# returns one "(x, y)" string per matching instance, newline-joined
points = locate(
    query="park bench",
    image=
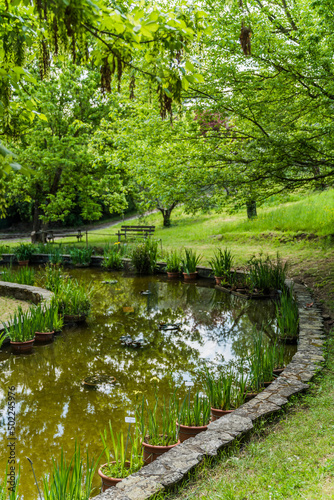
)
(135, 230)
(48, 236)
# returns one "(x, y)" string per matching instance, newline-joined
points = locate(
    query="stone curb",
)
(173, 466)
(33, 294)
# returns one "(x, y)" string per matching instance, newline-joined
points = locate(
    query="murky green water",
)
(53, 409)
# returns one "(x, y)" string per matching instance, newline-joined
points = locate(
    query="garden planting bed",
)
(173, 466)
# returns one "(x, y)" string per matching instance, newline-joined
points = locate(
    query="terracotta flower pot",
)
(108, 482)
(173, 275)
(22, 347)
(190, 276)
(217, 413)
(152, 452)
(187, 431)
(44, 336)
(23, 262)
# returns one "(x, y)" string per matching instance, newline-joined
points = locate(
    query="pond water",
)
(54, 409)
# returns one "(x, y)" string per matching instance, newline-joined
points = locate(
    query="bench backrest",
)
(144, 229)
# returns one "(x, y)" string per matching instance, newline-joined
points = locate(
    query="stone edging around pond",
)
(173, 466)
(32, 294)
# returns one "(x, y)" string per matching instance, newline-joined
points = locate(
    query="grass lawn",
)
(8, 306)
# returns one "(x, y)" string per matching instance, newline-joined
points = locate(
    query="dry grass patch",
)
(8, 306)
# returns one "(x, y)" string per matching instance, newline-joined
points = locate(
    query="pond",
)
(53, 407)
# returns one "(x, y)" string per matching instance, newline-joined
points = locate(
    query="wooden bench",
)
(135, 230)
(50, 235)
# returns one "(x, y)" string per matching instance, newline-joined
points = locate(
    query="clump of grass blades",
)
(70, 480)
(53, 278)
(21, 326)
(173, 262)
(265, 274)
(227, 391)
(221, 263)
(287, 315)
(73, 298)
(127, 457)
(190, 261)
(45, 319)
(112, 257)
(5, 493)
(144, 256)
(23, 276)
(157, 426)
(196, 412)
(263, 361)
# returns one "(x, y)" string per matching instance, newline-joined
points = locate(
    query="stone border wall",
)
(173, 466)
(32, 294)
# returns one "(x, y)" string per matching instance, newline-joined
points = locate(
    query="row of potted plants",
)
(71, 304)
(36, 324)
(168, 423)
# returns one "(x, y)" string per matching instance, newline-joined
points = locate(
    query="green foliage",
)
(262, 361)
(70, 480)
(287, 315)
(158, 425)
(74, 298)
(24, 251)
(265, 274)
(190, 260)
(227, 391)
(196, 412)
(24, 275)
(81, 255)
(46, 318)
(144, 256)
(112, 257)
(126, 455)
(221, 263)
(52, 278)
(5, 494)
(173, 262)
(21, 326)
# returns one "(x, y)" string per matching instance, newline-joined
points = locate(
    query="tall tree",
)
(65, 172)
(268, 67)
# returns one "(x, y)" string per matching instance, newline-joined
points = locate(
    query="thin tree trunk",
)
(251, 209)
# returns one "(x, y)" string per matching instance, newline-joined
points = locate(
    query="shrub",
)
(24, 251)
(144, 256)
(112, 258)
(81, 255)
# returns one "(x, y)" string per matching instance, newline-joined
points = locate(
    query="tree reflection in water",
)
(54, 409)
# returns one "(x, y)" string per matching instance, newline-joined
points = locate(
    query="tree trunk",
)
(166, 212)
(251, 209)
